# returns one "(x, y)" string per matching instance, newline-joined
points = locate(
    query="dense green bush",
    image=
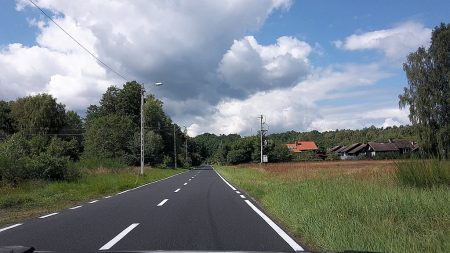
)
(237, 156)
(423, 173)
(11, 170)
(305, 156)
(279, 153)
(167, 162)
(108, 136)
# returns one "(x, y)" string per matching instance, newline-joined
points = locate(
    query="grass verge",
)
(339, 212)
(34, 198)
(423, 173)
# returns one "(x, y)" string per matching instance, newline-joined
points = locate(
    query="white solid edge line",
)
(75, 207)
(93, 201)
(48, 215)
(294, 245)
(12, 226)
(107, 197)
(162, 202)
(119, 237)
(242, 196)
(177, 190)
(123, 192)
(234, 189)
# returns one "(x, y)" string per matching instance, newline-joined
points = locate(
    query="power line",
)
(81, 45)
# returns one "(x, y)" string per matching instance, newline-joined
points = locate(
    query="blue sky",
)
(322, 64)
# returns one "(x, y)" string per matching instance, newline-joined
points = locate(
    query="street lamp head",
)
(158, 84)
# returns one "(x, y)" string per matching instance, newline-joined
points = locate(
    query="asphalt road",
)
(195, 210)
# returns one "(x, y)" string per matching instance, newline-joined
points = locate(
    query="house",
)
(301, 146)
(333, 149)
(404, 146)
(381, 147)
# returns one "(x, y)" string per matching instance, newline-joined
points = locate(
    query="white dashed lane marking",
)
(177, 190)
(48, 215)
(119, 237)
(163, 202)
(75, 207)
(12, 226)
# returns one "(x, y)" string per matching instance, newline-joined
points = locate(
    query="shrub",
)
(167, 162)
(61, 148)
(48, 167)
(12, 170)
(333, 157)
(423, 173)
(237, 156)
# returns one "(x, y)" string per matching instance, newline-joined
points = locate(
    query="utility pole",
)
(185, 144)
(261, 136)
(174, 146)
(142, 130)
(142, 125)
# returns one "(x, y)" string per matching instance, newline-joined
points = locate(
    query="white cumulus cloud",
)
(298, 107)
(177, 42)
(249, 67)
(395, 42)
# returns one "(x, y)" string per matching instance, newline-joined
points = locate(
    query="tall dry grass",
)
(371, 171)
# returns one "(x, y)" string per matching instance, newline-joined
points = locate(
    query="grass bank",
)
(34, 198)
(335, 208)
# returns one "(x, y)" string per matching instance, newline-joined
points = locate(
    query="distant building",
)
(352, 151)
(334, 149)
(381, 147)
(371, 149)
(302, 146)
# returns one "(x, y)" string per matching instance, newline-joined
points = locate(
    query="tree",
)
(279, 153)
(38, 114)
(428, 92)
(6, 122)
(108, 136)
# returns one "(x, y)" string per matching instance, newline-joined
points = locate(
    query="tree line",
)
(39, 138)
(234, 149)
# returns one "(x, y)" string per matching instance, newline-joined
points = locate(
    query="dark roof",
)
(340, 149)
(335, 148)
(360, 148)
(350, 147)
(403, 144)
(383, 147)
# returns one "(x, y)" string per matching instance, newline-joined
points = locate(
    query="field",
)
(342, 205)
(35, 198)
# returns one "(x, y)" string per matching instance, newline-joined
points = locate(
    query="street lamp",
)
(142, 125)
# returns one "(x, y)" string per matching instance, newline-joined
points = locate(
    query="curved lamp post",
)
(142, 125)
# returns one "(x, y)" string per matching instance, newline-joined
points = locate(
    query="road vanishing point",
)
(194, 210)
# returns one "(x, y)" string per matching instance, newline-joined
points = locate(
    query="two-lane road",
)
(195, 210)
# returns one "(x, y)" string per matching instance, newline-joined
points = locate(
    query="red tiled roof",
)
(300, 146)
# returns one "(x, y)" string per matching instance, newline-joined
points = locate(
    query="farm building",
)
(302, 146)
(352, 151)
(335, 148)
(393, 146)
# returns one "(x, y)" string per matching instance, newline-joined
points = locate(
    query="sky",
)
(304, 65)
